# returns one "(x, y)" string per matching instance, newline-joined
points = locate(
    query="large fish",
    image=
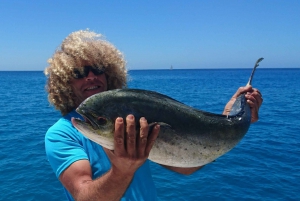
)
(188, 137)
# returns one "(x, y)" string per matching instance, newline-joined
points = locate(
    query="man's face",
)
(89, 85)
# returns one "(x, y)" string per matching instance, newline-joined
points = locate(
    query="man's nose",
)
(91, 76)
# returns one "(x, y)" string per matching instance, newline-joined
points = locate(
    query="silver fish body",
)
(188, 137)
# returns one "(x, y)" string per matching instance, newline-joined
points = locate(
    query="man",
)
(85, 65)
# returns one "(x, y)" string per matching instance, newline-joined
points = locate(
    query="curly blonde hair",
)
(81, 48)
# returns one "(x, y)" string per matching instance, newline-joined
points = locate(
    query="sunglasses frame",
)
(79, 73)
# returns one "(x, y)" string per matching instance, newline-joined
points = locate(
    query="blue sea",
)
(265, 165)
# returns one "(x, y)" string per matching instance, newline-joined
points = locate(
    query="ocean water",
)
(265, 165)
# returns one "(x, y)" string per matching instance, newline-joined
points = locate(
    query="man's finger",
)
(142, 139)
(119, 137)
(241, 90)
(151, 139)
(130, 135)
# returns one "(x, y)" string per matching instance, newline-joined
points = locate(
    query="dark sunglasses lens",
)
(77, 74)
(97, 71)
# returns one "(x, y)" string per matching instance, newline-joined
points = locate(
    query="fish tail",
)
(256, 64)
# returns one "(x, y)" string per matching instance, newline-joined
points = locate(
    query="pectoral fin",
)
(164, 127)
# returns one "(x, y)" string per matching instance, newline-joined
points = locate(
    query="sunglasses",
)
(82, 72)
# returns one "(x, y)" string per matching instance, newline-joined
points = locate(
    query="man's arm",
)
(77, 179)
(131, 151)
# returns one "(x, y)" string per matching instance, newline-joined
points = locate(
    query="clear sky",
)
(155, 34)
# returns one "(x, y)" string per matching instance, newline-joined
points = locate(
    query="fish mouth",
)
(91, 118)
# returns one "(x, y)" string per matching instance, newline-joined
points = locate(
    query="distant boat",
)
(171, 68)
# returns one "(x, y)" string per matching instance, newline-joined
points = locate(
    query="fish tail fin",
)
(256, 64)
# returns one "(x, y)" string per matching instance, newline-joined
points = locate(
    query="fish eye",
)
(101, 120)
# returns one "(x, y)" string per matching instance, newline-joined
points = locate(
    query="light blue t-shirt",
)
(64, 145)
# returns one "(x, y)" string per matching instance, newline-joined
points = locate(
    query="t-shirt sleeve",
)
(63, 146)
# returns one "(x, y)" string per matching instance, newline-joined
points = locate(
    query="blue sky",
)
(156, 34)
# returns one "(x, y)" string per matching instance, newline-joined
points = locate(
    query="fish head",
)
(98, 123)
(92, 121)
(101, 134)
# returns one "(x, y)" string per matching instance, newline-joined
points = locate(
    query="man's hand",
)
(132, 147)
(254, 99)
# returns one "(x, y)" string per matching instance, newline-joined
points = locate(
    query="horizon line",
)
(175, 69)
